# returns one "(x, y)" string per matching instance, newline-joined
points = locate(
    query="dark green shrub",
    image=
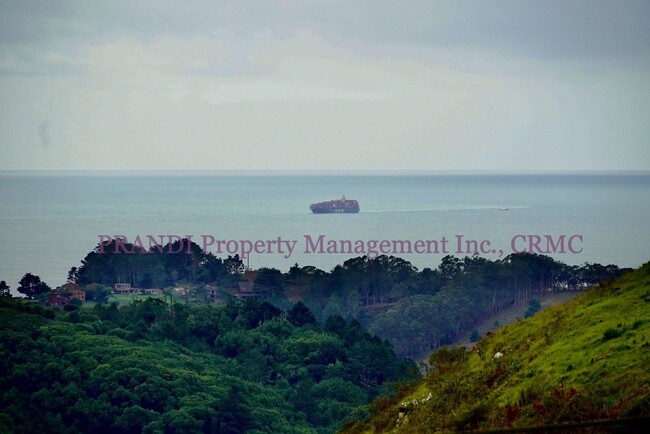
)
(611, 334)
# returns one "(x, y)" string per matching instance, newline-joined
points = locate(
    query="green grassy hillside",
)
(582, 361)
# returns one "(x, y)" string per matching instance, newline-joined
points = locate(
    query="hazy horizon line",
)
(313, 172)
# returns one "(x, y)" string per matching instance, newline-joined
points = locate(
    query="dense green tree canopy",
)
(243, 367)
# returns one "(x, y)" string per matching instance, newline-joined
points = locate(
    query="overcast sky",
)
(302, 85)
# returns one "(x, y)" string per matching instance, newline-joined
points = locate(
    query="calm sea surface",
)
(49, 222)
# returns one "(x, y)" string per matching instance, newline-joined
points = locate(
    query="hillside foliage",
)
(152, 368)
(583, 361)
(416, 310)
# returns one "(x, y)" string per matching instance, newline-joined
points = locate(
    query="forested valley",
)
(305, 355)
(416, 310)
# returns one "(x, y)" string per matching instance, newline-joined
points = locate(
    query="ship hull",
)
(335, 210)
(342, 206)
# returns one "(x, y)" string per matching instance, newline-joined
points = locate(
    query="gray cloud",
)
(550, 29)
(460, 84)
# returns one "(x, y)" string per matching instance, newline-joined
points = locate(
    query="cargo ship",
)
(342, 205)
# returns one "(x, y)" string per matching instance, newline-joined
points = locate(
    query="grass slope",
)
(585, 360)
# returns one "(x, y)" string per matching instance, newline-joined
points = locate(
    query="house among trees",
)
(64, 294)
(126, 288)
(123, 288)
(56, 300)
(72, 291)
(246, 288)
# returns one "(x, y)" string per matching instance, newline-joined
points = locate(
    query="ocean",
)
(49, 222)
